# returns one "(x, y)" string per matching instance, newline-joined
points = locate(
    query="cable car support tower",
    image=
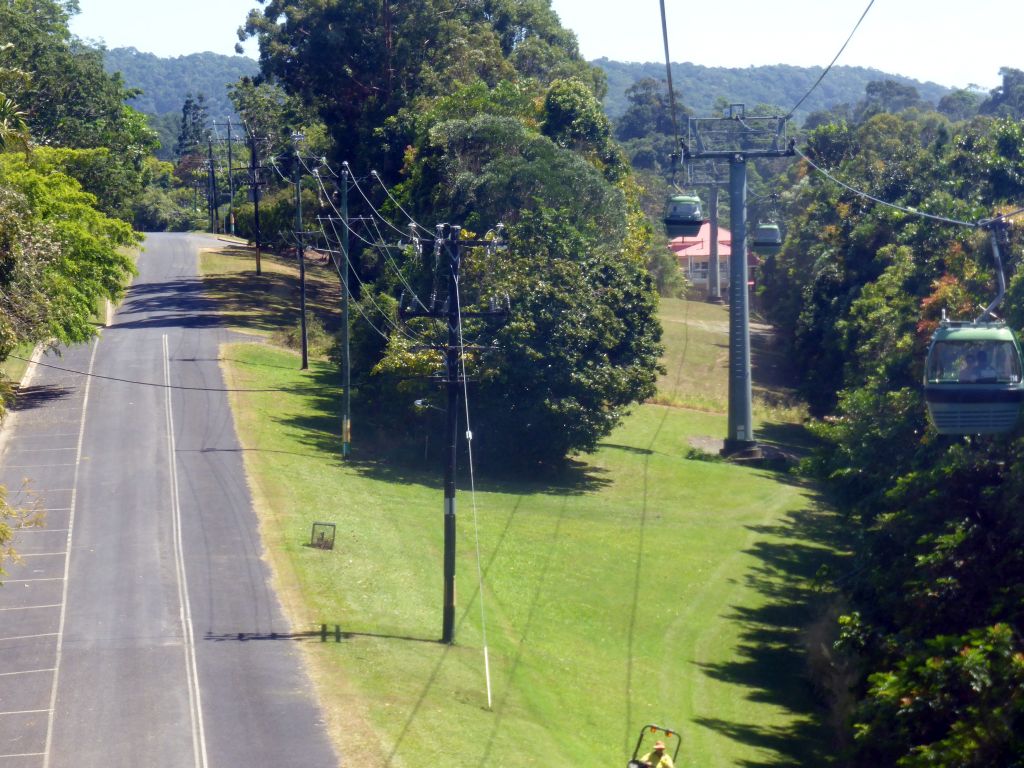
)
(736, 138)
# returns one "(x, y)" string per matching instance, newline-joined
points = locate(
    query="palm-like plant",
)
(13, 128)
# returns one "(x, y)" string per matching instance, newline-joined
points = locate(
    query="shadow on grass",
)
(269, 301)
(789, 437)
(777, 740)
(770, 660)
(384, 457)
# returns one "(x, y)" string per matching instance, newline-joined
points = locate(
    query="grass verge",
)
(637, 586)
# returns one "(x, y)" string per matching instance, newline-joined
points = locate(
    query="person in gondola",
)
(978, 367)
(657, 757)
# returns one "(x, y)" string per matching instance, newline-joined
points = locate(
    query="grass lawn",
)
(636, 586)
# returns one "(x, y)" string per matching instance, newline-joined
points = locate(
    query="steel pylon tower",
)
(736, 138)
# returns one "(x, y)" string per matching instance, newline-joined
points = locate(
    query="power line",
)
(834, 60)
(380, 244)
(374, 209)
(369, 294)
(387, 192)
(168, 386)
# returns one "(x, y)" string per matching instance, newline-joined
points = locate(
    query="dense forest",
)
(485, 114)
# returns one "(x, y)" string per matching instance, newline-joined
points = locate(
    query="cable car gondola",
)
(767, 238)
(683, 217)
(972, 380)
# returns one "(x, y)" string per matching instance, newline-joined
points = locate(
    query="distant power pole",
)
(231, 185)
(300, 251)
(346, 418)
(213, 188)
(255, 193)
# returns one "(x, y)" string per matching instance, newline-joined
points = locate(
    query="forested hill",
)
(165, 82)
(780, 84)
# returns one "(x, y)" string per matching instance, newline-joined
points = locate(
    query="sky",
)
(952, 43)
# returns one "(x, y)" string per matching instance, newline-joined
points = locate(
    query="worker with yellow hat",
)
(657, 757)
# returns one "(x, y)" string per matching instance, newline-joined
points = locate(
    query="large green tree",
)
(364, 64)
(486, 114)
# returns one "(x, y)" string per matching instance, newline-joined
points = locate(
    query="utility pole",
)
(231, 185)
(736, 138)
(213, 188)
(346, 418)
(231, 176)
(300, 251)
(452, 355)
(449, 238)
(255, 194)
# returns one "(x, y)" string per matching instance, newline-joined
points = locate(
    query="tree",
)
(886, 96)
(60, 253)
(649, 111)
(363, 65)
(961, 104)
(936, 588)
(1007, 100)
(195, 126)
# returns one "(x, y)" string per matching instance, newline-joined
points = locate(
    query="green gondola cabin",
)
(973, 383)
(767, 238)
(683, 216)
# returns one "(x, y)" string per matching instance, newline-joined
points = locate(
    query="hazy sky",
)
(952, 43)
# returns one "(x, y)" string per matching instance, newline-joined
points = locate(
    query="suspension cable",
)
(834, 60)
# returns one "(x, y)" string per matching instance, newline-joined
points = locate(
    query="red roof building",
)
(695, 252)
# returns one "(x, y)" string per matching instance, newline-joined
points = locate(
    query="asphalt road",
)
(140, 627)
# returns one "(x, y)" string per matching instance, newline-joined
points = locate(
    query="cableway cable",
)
(671, 94)
(834, 60)
(905, 209)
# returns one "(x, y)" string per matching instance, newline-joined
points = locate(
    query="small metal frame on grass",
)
(322, 536)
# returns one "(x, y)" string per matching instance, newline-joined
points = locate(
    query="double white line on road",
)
(191, 668)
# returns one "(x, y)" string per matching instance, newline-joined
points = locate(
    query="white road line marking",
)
(35, 466)
(27, 672)
(28, 637)
(25, 754)
(24, 711)
(41, 450)
(25, 581)
(46, 435)
(20, 531)
(30, 607)
(41, 554)
(191, 668)
(67, 562)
